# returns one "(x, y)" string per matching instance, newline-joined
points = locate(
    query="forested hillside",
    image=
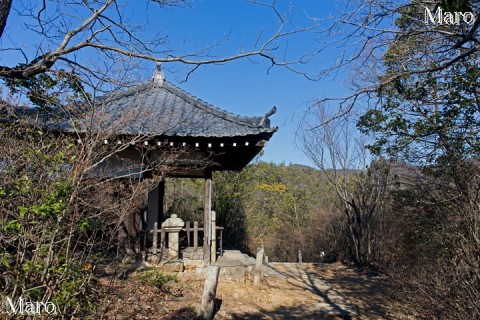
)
(421, 232)
(285, 208)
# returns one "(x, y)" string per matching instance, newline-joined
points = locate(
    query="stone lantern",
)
(172, 226)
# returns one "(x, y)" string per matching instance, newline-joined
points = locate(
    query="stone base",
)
(192, 254)
(192, 258)
(192, 264)
(235, 265)
(173, 266)
(238, 273)
(153, 258)
(158, 258)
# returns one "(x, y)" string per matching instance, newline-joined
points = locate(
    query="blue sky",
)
(245, 87)
(250, 88)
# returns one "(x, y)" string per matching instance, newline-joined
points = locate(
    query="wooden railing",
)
(189, 230)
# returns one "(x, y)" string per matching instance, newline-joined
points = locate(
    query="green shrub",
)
(157, 279)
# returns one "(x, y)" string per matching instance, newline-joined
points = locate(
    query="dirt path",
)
(303, 291)
(297, 291)
(297, 294)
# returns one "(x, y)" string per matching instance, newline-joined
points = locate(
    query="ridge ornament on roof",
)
(158, 76)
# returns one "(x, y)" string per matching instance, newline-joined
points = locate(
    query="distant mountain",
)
(301, 166)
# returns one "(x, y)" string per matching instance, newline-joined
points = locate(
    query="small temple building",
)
(205, 139)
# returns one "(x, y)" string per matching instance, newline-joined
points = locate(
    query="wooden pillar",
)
(207, 201)
(187, 228)
(161, 200)
(152, 208)
(155, 204)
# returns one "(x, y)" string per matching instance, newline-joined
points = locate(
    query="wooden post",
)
(213, 251)
(155, 238)
(209, 292)
(162, 242)
(300, 260)
(161, 200)
(257, 276)
(162, 238)
(221, 242)
(195, 235)
(207, 201)
(187, 227)
(145, 229)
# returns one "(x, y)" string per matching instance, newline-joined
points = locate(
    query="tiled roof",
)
(157, 107)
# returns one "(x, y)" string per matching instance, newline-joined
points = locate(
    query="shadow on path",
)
(284, 313)
(308, 277)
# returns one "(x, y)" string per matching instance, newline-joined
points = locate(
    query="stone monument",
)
(172, 226)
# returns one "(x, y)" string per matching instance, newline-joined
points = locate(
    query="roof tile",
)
(169, 111)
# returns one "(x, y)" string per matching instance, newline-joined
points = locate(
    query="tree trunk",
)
(5, 6)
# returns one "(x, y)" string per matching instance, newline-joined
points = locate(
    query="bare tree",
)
(360, 184)
(67, 31)
(416, 81)
(402, 31)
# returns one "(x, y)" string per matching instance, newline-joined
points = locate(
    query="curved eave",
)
(166, 110)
